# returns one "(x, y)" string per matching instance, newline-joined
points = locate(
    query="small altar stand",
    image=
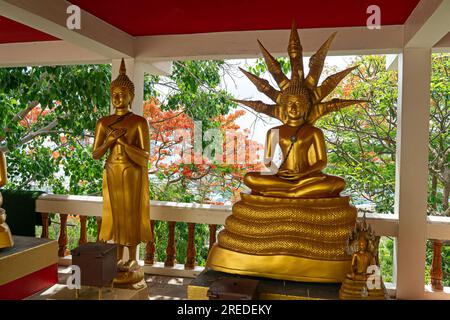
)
(268, 289)
(31, 265)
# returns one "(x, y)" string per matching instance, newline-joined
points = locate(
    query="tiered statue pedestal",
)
(268, 289)
(286, 238)
(31, 265)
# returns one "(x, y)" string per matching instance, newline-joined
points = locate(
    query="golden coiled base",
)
(286, 238)
(283, 244)
(307, 228)
(280, 267)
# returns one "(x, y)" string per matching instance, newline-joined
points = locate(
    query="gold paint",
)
(6, 239)
(305, 90)
(329, 84)
(295, 54)
(309, 228)
(274, 68)
(197, 293)
(125, 137)
(282, 267)
(262, 85)
(295, 224)
(299, 106)
(298, 176)
(325, 108)
(316, 63)
(363, 245)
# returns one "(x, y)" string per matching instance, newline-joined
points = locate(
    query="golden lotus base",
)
(268, 289)
(130, 279)
(280, 267)
(357, 290)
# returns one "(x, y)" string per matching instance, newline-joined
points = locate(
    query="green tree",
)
(42, 105)
(362, 138)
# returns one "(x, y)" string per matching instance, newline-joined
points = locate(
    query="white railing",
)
(383, 224)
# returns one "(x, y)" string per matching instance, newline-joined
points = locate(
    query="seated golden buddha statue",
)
(126, 219)
(304, 156)
(294, 224)
(6, 239)
(361, 282)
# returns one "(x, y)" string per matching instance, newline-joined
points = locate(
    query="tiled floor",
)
(167, 288)
(159, 287)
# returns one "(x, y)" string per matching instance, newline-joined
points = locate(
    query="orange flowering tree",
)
(183, 166)
(179, 172)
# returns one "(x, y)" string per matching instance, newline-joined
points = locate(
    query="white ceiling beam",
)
(443, 45)
(392, 62)
(47, 53)
(242, 44)
(427, 24)
(51, 53)
(160, 68)
(50, 16)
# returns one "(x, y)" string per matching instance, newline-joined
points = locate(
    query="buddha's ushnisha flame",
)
(298, 84)
(122, 79)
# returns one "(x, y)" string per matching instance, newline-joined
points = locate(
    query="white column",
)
(412, 170)
(135, 71)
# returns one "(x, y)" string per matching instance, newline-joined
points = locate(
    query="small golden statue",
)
(364, 280)
(126, 219)
(6, 239)
(294, 225)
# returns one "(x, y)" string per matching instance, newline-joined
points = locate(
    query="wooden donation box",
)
(97, 262)
(28, 267)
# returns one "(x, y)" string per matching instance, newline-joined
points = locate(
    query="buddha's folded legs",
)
(258, 181)
(320, 185)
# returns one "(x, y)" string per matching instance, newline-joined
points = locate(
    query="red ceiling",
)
(145, 17)
(11, 31)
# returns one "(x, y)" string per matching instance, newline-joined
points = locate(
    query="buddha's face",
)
(121, 97)
(362, 245)
(296, 106)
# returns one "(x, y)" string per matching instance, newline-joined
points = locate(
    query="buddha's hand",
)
(121, 141)
(114, 135)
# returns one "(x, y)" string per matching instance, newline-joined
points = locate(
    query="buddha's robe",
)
(126, 215)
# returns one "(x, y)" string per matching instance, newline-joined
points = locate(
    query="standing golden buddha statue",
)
(294, 225)
(6, 239)
(126, 219)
